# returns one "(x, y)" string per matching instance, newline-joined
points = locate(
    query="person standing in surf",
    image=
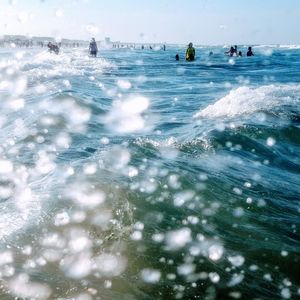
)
(250, 52)
(190, 53)
(93, 48)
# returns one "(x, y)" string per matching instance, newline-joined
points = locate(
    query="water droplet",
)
(150, 275)
(237, 260)
(271, 141)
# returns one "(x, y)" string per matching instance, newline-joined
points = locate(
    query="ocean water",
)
(134, 176)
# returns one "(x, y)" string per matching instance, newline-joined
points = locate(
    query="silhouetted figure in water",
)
(211, 53)
(164, 47)
(249, 52)
(177, 56)
(53, 48)
(93, 48)
(190, 53)
(235, 53)
(150, 48)
(49, 45)
(230, 52)
(240, 53)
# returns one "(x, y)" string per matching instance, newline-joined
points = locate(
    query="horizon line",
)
(139, 43)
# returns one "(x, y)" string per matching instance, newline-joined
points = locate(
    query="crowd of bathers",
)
(190, 53)
(233, 51)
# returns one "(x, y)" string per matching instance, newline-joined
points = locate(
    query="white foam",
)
(290, 47)
(45, 64)
(168, 143)
(246, 100)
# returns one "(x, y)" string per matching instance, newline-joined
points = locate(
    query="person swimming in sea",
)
(93, 48)
(177, 56)
(249, 52)
(190, 53)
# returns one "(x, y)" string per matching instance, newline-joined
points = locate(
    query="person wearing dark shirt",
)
(230, 52)
(235, 53)
(93, 48)
(250, 53)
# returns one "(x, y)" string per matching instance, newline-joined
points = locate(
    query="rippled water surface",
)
(134, 176)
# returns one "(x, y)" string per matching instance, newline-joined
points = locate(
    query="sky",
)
(207, 22)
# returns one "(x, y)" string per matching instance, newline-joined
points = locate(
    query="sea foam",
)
(246, 100)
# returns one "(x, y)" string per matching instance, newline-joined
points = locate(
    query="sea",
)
(136, 176)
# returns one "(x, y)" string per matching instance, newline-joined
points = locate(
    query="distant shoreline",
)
(11, 41)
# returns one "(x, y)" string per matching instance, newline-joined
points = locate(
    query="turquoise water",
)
(134, 176)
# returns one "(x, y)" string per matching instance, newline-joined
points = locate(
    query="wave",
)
(245, 100)
(76, 63)
(286, 47)
(291, 47)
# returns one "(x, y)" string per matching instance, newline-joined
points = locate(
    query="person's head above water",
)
(190, 44)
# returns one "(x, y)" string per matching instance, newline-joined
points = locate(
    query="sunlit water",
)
(134, 176)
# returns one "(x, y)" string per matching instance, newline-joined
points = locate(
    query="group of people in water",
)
(190, 53)
(233, 51)
(53, 48)
(93, 49)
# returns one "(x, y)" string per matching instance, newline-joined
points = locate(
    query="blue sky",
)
(171, 21)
